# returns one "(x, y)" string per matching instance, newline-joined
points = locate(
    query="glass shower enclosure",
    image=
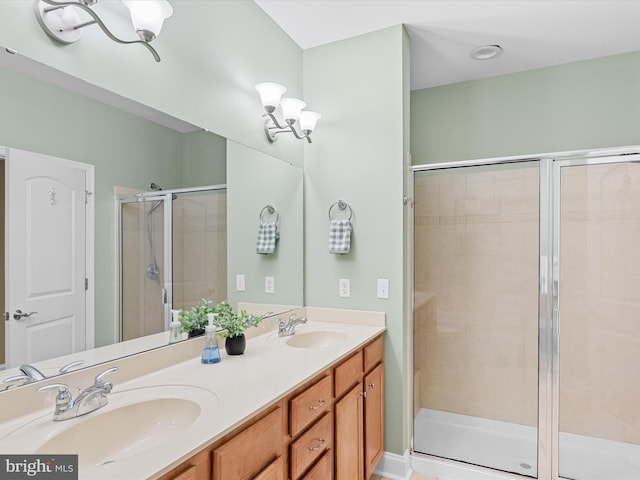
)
(172, 253)
(527, 316)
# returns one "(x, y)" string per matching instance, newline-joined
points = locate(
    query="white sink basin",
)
(134, 421)
(317, 339)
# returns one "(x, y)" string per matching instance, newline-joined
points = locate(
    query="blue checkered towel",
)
(339, 236)
(267, 236)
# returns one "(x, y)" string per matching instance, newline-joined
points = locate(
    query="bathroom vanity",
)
(307, 406)
(336, 418)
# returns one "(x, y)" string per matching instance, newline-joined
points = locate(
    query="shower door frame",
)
(166, 196)
(550, 165)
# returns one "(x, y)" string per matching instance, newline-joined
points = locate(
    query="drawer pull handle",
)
(319, 446)
(317, 407)
(364, 394)
(372, 385)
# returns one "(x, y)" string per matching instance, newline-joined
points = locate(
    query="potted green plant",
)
(232, 327)
(193, 321)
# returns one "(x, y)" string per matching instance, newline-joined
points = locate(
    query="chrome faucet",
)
(90, 399)
(289, 328)
(32, 372)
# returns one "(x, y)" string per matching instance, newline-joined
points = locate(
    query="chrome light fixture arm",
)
(56, 5)
(272, 127)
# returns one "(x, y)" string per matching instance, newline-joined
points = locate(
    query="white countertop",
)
(243, 386)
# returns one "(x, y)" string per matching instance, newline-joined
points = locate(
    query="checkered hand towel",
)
(267, 236)
(339, 236)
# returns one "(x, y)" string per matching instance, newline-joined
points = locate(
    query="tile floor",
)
(414, 476)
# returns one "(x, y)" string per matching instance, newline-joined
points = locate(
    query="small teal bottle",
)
(210, 352)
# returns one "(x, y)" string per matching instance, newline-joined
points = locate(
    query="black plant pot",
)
(235, 345)
(195, 333)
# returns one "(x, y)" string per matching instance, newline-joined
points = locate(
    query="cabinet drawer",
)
(311, 445)
(275, 471)
(322, 470)
(348, 373)
(373, 353)
(309, 405)
(189, 474)
(249, 452)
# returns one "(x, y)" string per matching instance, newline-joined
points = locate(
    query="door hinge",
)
(86, 284)
(87, 194)
(7, 317)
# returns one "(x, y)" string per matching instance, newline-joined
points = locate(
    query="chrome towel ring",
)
(342, 205)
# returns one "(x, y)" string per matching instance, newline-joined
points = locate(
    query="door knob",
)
(19, 315)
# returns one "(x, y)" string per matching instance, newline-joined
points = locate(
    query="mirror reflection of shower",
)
(172, 253)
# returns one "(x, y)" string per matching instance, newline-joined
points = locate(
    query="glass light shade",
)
(270, 94)
(291, 108)
(308, 120)
(148, 15)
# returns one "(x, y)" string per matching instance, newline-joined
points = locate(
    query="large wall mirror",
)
(131, 147)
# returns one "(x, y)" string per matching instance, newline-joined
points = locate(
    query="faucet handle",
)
(106, 386)
(64, 395)
(69, 366)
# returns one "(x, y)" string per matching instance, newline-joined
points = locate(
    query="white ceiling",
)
(533, 33)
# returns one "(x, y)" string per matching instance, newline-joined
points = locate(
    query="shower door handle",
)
(164, 296)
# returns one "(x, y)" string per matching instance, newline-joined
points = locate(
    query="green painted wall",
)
(582, 105)
(204, 159)
(272, 182)
(357, 156)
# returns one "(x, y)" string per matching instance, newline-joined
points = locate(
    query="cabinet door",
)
(349, 443)
(248, 453)
(373, 419)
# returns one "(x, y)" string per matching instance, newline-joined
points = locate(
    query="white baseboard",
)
(395, 467)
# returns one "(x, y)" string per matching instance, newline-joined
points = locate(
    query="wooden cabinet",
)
(197, 467)
(275, 471)
(248, 453)
(332, 427)
(349, 440)
(359, 414)
(373, 419)
(323, 469)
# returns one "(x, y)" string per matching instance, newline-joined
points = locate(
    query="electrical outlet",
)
(240, 283)
(383, 288)
(344, 287)
(269, 285)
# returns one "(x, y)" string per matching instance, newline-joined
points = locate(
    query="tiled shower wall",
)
(476, 277)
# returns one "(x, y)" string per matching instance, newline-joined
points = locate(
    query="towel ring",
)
(270, 209)
(341, 206)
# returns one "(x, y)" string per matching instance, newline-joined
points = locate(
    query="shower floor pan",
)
(513, 448)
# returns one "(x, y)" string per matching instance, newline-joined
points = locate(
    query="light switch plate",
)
(269, 285)
(240, 283)
(383, 288)
(344, 286)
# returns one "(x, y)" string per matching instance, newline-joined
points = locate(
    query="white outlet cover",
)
(240, 283)
(383, 288)
(269, 285)
(344, 287)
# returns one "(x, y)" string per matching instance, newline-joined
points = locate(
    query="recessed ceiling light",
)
(486, 52)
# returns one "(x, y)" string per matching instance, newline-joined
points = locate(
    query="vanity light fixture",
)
(61, 21)
(292, 111)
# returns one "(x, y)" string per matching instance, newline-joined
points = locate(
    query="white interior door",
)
(45, 257)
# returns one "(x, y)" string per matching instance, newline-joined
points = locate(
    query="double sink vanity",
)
(304, 406)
